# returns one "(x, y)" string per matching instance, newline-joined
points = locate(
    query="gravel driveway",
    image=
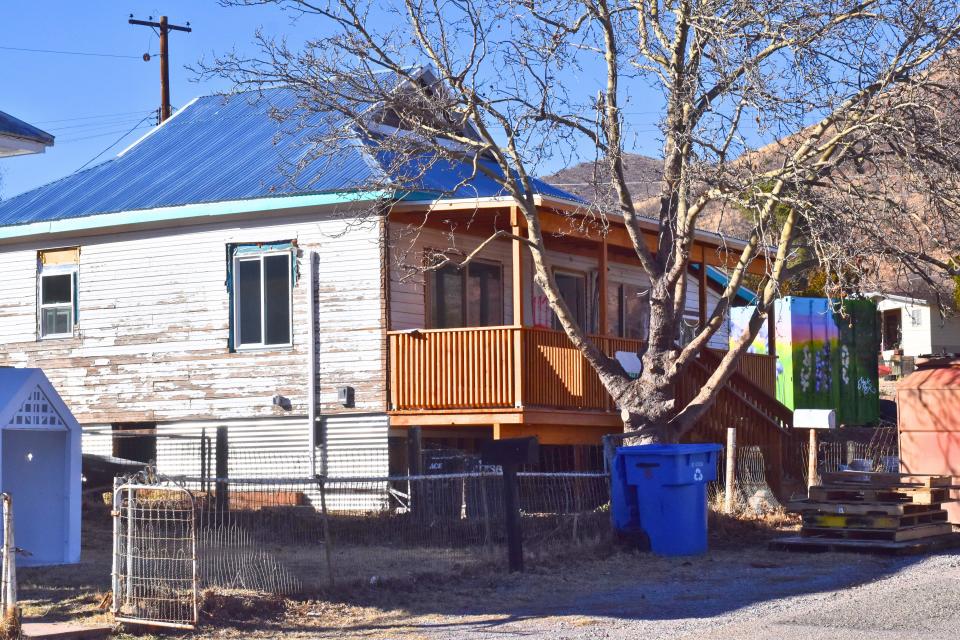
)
(726, 594)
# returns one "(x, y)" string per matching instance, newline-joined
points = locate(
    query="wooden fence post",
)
(812, 460)
(731, 471)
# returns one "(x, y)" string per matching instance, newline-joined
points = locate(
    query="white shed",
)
(40, 467)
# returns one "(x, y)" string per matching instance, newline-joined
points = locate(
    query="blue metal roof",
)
(228, 148)
(17, 128)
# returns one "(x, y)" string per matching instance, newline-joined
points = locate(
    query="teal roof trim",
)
(190, 211)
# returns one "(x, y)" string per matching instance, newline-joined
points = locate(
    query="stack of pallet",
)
(879, 512)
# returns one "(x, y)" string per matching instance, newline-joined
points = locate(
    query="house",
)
(914, 327)
(193, 283)
(19, 138)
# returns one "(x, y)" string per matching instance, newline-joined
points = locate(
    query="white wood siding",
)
(153, 326)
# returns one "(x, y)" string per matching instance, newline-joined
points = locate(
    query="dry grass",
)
(10, 627)
(744, 529)
(394, 588)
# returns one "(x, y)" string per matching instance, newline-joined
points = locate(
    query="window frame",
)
(431, 297)
(260, 257)
(45, 272)
(582, 276)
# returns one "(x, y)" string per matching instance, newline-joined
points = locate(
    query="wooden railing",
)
(453, 368)
(507, 367)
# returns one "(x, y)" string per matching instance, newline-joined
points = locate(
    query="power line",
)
(73, 53)
(106, 133)
(102, 115)
(91, 126)
(115, 142)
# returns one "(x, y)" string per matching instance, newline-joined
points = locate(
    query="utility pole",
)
(164, 29)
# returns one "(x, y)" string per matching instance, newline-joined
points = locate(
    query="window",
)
(629, 311)
(573, 290)
(471, 296)
(262, 282)
(57, 292)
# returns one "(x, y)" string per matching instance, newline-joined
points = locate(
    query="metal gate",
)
(154, 554)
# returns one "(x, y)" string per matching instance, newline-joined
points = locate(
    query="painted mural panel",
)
(825, 360)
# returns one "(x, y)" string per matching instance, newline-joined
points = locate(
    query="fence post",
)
(115, 574)
(222, 469)
(326, 528)
(130, 521)
(204, 468)
(10, 612)
(731, 470)
(812, 460)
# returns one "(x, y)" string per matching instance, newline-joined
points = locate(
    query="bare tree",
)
(807, 116)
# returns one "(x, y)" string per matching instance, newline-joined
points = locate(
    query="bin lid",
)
(670, 449)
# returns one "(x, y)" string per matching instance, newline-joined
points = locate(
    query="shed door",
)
(34, 473)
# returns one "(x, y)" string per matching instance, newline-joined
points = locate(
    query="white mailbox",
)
(814, 419)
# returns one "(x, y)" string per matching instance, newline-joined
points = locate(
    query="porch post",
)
(517, 267)
(602, 286)
(518, 300)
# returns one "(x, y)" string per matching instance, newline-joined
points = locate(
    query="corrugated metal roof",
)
(17, 128)
(226, 148)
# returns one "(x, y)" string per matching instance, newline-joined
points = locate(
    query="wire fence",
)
(875, 450)
(300, 535)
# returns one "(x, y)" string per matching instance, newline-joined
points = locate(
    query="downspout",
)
(312, 366)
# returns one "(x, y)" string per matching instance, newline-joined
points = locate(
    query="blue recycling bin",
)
(660, 490)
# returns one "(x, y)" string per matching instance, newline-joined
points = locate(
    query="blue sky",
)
(90, 102)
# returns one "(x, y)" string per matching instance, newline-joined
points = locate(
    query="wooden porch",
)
(520, 376)
(507, 376)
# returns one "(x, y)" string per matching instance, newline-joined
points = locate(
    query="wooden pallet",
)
(887, 535)
(885, 479)
(872, 521)
(820, 545)
(916, 495)
(860, 508)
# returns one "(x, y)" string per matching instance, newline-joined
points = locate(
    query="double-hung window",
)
(57, 292)
(262, 285)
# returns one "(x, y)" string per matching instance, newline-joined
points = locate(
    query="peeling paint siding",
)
(152, 335)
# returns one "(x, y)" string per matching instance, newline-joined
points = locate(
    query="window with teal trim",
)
(261, 287)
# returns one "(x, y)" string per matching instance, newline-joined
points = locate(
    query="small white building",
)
(40, 467)
(915, 326)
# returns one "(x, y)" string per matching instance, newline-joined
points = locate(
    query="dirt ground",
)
(737, 590)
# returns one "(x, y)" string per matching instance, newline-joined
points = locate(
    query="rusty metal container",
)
(928, 421)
